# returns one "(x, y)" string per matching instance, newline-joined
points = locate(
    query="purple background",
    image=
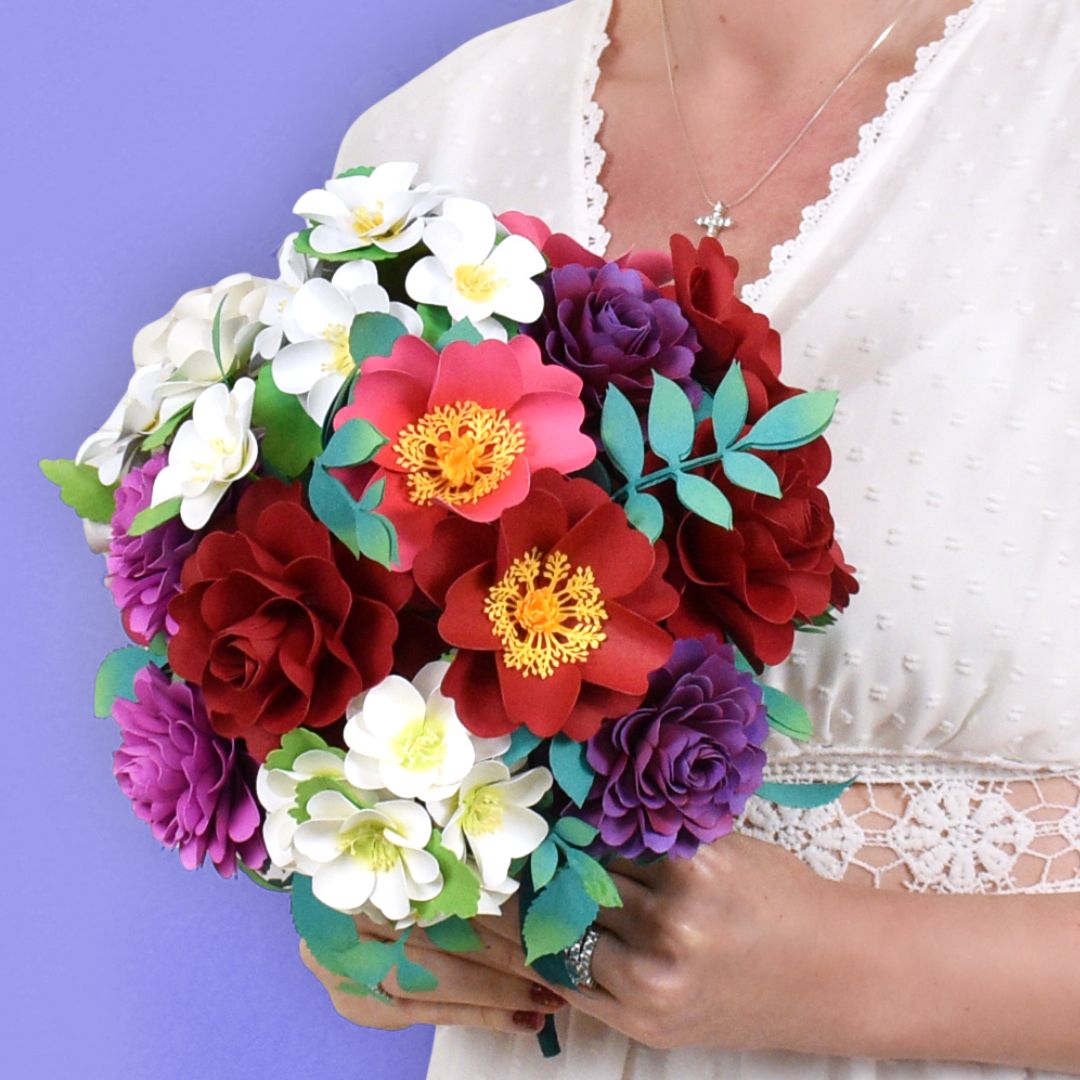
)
(149, 149)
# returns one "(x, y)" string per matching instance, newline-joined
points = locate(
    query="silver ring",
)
(578, 958)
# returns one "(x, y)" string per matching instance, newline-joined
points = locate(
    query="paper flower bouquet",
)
(451, 559)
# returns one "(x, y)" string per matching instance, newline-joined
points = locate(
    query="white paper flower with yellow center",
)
(360, 857)
(471, 275)
(317, 322)
(406, 737)
(294, 268)
(212, 450)
(490, 818)
(355, 212)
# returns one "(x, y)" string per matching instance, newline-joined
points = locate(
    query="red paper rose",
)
(728, 329)
(278, 623)
(781, 562)
(554, 610)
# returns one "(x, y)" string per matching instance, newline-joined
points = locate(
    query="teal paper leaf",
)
(352, 444)
(792, 423)
(702, 497)
(787, 715)
(454, 935)
(412, 977)
(153, 516)
(620, 432)
(703, 409)
(802, 796)
(463, 330)
(522, 743)
(373, 333)
(81, 489)
(575, 831)
(297, 742)
(543, 862)
(436, 321)
(596, 880)
(558, 916)
(645, 514)
(671, 420)
(750, 472)
(116, 677)
(291, 439)
(460, 894)
(161, 434)
(373, 496)
(570, 768)
(730, 406)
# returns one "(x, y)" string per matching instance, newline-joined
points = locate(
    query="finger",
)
(610, 960)
(646, 874)
(628, 922)
(505, 925)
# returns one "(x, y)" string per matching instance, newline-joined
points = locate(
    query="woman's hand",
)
(488, 989)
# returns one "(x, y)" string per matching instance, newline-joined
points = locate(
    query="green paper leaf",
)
(463, 330)
(730, 406)
(153, 516)
(596, 880)
(302, 243)
(803, 796)
(575, 831)
(264, 882)
(373, 333)
(522, 743)
(306, 789)
(163, 432)
(702, 497)
(620, 432)
(357, 170)
(297, 742)
(460, 894)
(352, 444)
(558, 916)
(543, 863)
(81, 489)
(215, 336)
(671, 420)
(792, 423)
(291, 439)
(787, 715)
(570, 768)
(645, 514)
(750, 472)
(116, 677)
(436, 321)
(454, 935)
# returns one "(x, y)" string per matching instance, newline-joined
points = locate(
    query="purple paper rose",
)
(195, 789)
(144, 571)
(612, 327)
(677, 771)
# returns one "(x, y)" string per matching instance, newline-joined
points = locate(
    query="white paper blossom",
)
(492, 900)
(406, 737)
(356, 212)
(294, 269)
(470, 274)
(276, 789)
(111, 448)
(360, 857)
(489, 817)
(212, 450)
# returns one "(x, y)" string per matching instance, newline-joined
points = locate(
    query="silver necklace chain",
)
(719, 217)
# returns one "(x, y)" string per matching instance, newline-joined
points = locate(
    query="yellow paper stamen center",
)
(420, 745)
(545, 613)
(366, 220)
(483, 811)
(341, 363)
(458, 453)
(477, 282)
(366, 843)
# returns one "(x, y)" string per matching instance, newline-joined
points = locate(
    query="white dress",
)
(937, 288)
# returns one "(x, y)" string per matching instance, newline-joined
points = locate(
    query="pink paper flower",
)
(467, 430)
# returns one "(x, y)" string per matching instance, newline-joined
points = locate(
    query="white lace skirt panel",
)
(950, 832)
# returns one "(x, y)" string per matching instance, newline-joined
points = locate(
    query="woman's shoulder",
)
(475, 118)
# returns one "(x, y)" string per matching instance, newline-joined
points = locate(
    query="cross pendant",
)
(715, 221)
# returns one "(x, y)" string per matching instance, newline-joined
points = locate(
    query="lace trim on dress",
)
(950, 834)
(597, 237)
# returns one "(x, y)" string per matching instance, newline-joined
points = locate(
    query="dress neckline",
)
(841, 173)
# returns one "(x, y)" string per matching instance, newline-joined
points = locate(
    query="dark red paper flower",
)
(278, 623)
(728, 329)
(780, 563)
(554, 611)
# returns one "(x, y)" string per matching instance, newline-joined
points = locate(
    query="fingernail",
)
(533, 1021)
(543, 996)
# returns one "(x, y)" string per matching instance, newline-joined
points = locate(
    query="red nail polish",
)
(533, 1021)
(543, 996)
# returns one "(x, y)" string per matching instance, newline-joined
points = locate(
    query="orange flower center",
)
(546, 613)
(458, 453)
